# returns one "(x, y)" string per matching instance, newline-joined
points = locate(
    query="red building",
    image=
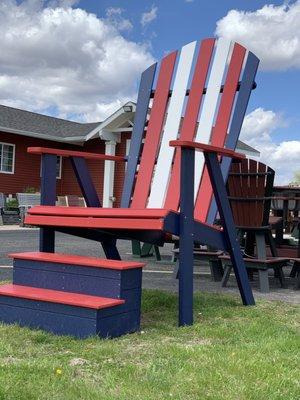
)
(20, 129)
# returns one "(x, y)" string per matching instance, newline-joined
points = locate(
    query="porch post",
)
(109, 174)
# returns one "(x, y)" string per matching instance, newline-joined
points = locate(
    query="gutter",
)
(45, 137)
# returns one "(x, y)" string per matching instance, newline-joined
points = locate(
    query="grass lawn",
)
(231, 352)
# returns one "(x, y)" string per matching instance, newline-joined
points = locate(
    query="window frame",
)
(13, 160)
(59, 176)
(60, 167)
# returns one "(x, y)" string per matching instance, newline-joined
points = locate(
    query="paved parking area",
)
(156, 275)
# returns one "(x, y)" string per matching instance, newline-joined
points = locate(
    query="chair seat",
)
(107, 218)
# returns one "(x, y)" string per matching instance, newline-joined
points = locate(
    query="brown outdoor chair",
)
(250, 187)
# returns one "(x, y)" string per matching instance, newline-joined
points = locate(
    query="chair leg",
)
(157, 253)
(176, 246)
(136, 248)
(226, 275)
(47, 240)
(281, 277)
(110, 250)
(216, 270)
(147, 250)
(263, 277)
(186, 237)
(294, 270)
(230, 235)
(185, 280)
(272, 243)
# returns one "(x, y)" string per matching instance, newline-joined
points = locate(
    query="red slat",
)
(70, 153)
(98, 212)
(55, 296)
(76, 260)
(189, 124)
(109, 223)
(219, 133)
(152, 140)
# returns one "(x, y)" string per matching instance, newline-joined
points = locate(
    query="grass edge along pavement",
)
(231, 352)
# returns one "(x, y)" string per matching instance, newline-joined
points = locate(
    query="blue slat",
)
(237, 120)
(138, 132)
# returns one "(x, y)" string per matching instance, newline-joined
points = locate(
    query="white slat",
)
(165, 156)
(210, 103)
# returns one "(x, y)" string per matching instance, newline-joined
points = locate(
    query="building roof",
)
(32, 124)
(42, 126)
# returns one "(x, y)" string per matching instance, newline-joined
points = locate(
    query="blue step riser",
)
(79, 284)
(129, 277)
(62, 320)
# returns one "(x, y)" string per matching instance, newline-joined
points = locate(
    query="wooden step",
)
(85, 275)
(77, 260)
(56, 296)
(65, 313)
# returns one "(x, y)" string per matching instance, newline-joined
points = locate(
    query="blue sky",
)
(82, 59)
(179, 22)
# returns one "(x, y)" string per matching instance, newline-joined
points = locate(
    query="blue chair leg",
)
(234, 249)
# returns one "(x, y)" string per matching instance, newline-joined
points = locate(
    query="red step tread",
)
(77, 260)
(56, 296)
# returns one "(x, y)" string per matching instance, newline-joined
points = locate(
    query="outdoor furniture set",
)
(174, 185)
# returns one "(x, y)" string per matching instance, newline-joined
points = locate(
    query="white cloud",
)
(66, 59)
(272, 33)
(259, 130)
(149, 16)
(114, 16)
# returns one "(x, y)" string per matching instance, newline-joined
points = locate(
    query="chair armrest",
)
(71, 153)
(205, 148)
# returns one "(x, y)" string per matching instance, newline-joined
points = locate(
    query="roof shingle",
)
(26, 121)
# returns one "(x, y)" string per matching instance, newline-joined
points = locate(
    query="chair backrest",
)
(250, 187)
(200, 93)
(28, 199)
(75, 201)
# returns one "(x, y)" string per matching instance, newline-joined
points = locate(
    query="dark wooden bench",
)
(262, 266)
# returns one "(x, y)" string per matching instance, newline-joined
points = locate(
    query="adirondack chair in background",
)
(169, 185)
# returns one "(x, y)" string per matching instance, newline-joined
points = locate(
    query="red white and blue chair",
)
(175, 180)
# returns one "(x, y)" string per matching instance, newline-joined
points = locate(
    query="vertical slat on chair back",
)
(250, 186)
(193, 99)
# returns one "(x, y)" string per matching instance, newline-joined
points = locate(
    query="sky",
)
(82, 60)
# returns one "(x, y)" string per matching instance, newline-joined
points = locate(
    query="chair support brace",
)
(187, 231)
(48, 197)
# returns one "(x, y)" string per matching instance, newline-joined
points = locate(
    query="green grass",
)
(231, 352)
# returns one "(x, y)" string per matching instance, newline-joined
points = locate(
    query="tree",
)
(297, 176)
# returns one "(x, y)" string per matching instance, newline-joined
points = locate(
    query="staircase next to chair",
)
(73, 295)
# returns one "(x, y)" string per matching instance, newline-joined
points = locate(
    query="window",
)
(7, 158)
(58, 167)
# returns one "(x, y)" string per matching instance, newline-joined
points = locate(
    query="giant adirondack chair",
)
(175, 181)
